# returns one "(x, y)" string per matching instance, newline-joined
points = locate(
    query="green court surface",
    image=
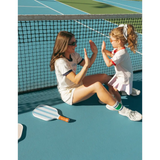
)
(93, 7)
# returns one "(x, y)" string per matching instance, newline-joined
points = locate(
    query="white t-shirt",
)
(123, 78)
(123, 66)
(63, 67)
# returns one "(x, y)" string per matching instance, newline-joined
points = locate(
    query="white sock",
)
(118, 106)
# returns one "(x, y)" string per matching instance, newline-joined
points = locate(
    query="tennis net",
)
(36, 38)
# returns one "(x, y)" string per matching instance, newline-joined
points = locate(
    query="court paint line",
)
(123, 5)
(48, 7)
(116, 6)
(33, 6)
(71, 7)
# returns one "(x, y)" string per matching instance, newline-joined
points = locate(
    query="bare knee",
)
(98, 86)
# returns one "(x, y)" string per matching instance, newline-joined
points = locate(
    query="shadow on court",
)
(29, 101)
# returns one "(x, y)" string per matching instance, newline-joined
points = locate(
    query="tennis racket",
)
(47, 113)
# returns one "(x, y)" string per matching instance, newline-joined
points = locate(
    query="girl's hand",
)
(103, 47)
(87, 60)
(93, 47)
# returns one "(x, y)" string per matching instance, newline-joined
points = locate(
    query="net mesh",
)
(36, 38)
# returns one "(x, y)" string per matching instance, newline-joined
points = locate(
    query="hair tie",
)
(124, 30)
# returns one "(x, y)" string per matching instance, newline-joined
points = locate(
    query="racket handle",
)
(63, 118)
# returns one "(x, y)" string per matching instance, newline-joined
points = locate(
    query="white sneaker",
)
(132, 115)
(135, 92)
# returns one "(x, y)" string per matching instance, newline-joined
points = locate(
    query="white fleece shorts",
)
(67, 95)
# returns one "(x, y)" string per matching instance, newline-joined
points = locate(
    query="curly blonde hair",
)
(131, 36)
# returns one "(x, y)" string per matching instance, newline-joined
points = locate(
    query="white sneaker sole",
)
(132, 115)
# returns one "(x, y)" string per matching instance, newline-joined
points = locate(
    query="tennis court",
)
(93, 132)
(77, 7)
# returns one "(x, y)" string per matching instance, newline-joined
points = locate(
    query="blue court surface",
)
(46, 7)
(93, 133)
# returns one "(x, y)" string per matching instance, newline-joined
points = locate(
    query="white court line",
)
(48, 7)
(76, 21)
(56, 10)
(33, 6)
(122, 4)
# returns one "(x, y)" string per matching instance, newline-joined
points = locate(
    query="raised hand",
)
(93, 47)
(87, 60)
(103, 47)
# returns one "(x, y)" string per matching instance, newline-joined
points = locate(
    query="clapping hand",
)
(103, 47)
(93, 47)
(87, 60)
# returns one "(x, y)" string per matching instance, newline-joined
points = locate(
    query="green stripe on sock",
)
(119, 106)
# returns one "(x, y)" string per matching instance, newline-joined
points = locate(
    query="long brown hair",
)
(131, 36)
(60, 46)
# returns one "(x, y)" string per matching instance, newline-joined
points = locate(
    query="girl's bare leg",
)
(91, 85)
(104, 79)
(114, 92)
(82, 93)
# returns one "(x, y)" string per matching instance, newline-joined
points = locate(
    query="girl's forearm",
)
(106, 60)
(109, 53)
(79, 77)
